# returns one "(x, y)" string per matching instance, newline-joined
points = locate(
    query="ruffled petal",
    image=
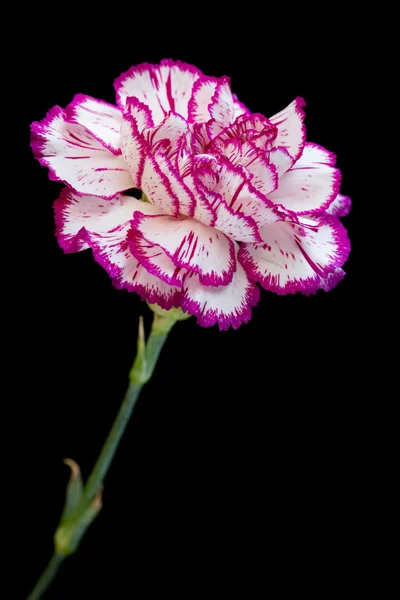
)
(331, 280)
(163, 88)
(203, 211)
(190, 171)
(212, 99)
(291, 130)
(74, 156)
(203, 92)
(134, 148)
(340, 207)
(112, 252)
(228, 305)
(170, 131)
(77, 215)
(140, 112)
(191, 245)
(89, 221)
(222, 108)
(242, 197)
(154, 259)
(262, 173)
(311, 185)
(235, 225)
(157, 187)
(186, 198)
(240, 108)
(102, 119)
(199, 139)
(246, 127)
(281, 159)
(296, 256)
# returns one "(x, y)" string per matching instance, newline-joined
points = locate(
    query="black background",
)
(239, 467)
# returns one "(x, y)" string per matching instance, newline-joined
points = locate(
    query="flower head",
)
(230, 198)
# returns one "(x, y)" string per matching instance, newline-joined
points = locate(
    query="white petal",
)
(157, 187)
(89, 221)
(311, 184)
(103, 120)
(191, 245)
(185, 196)
(171, 129)
(242, 197)
(295, 257)
(163, 88)
(228, 305)
(154, 259)
(203, 91)
(77, 158)
(222, 108)
(76, 215)
(281, 160)
(112, 252)
(240, 108)
(140, 112)
(263, 175)
(134, 149)
(291, 130)
(237, 226)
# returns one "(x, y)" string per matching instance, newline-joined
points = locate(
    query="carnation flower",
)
(229, 198)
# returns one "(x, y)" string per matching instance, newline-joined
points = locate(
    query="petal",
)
(75, 215)
(240, 108)
(226, 305)
(89, 221)
(242, 197)
(235, 225)
(191, 245)
(311, 184)
(190, 171)
(340, 207)
(281, 160)
(77, 158)
(199, 138)
(171, 129)
(134, 148)
(246, 127)
(112, 252)
(221, 107)
(331, 281)
(295, 257)
(327, 284)
(157, 187)
(102, 119)
(212, 99)
(203, 211)
(291, 129)
(140, 112)
(262, 173)
(185, 196)
(163, 88)
(154, 259)
(203, 91)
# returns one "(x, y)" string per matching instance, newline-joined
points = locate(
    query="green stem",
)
(71, 530)
(47, 577)
(111, 444)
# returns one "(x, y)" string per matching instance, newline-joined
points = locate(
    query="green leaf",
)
(74, 491)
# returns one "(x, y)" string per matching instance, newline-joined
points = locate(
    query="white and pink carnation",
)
(229, 198)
